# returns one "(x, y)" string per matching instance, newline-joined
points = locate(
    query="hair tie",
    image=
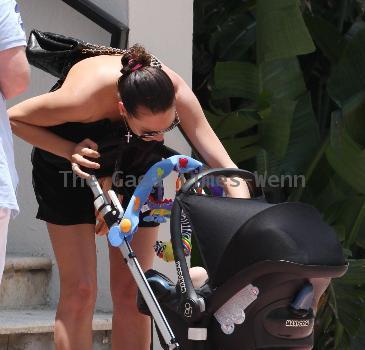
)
(136, 67)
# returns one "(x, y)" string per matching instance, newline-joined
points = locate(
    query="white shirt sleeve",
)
(11, 25)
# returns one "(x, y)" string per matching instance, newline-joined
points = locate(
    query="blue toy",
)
(129, 223)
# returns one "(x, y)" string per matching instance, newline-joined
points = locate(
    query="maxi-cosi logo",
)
(180, 277)
(297, 323)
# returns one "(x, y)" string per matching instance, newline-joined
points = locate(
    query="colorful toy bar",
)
(129, 223)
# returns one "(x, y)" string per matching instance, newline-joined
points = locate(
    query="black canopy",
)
(235, 233)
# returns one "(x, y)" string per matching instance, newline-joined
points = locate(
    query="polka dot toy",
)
(137, 204)
(125, 225)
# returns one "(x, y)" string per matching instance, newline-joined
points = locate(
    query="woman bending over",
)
(69, 128)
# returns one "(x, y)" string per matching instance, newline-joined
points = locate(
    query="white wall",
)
(165, 28)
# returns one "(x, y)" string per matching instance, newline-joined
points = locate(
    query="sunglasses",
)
(174, 124)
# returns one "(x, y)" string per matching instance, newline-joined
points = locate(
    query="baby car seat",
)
(268, 265)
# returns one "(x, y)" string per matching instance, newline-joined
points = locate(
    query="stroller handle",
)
(191, 307)
(248, 176)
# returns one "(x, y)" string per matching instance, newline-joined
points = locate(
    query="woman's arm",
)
(42, 138)
(201, 135)
(29, 118)
(196, 126)
(74, 102)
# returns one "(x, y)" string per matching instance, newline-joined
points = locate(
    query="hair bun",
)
(136, 55)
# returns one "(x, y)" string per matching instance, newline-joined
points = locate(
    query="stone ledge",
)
(42, 321)
(27, 263)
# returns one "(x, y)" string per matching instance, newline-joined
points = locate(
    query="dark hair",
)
(142, 84)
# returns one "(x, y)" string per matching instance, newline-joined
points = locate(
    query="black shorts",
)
(65, 199)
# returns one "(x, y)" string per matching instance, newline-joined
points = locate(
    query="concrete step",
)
(25, 282)
(33, 330)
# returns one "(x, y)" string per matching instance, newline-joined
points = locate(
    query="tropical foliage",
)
(283, 85)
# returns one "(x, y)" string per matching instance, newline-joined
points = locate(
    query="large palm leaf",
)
(285, 93)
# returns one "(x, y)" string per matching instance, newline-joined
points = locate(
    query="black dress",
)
(64, 198)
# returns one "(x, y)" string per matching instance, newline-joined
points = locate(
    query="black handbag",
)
(56, 53)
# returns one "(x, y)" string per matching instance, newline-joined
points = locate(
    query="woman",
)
(66, 127)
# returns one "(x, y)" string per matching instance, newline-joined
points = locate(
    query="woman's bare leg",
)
(75, 251)
(131, 330)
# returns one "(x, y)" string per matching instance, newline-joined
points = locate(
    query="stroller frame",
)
(111, 213)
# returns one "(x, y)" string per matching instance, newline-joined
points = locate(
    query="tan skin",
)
(89, 94)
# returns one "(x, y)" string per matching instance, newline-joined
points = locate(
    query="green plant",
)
(283, 85)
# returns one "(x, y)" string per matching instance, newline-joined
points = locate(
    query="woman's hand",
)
(237, 188)
(86, 148)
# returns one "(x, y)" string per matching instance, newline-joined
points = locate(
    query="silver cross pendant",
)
(128, 136)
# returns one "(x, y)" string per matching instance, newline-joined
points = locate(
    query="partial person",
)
(14, 80)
